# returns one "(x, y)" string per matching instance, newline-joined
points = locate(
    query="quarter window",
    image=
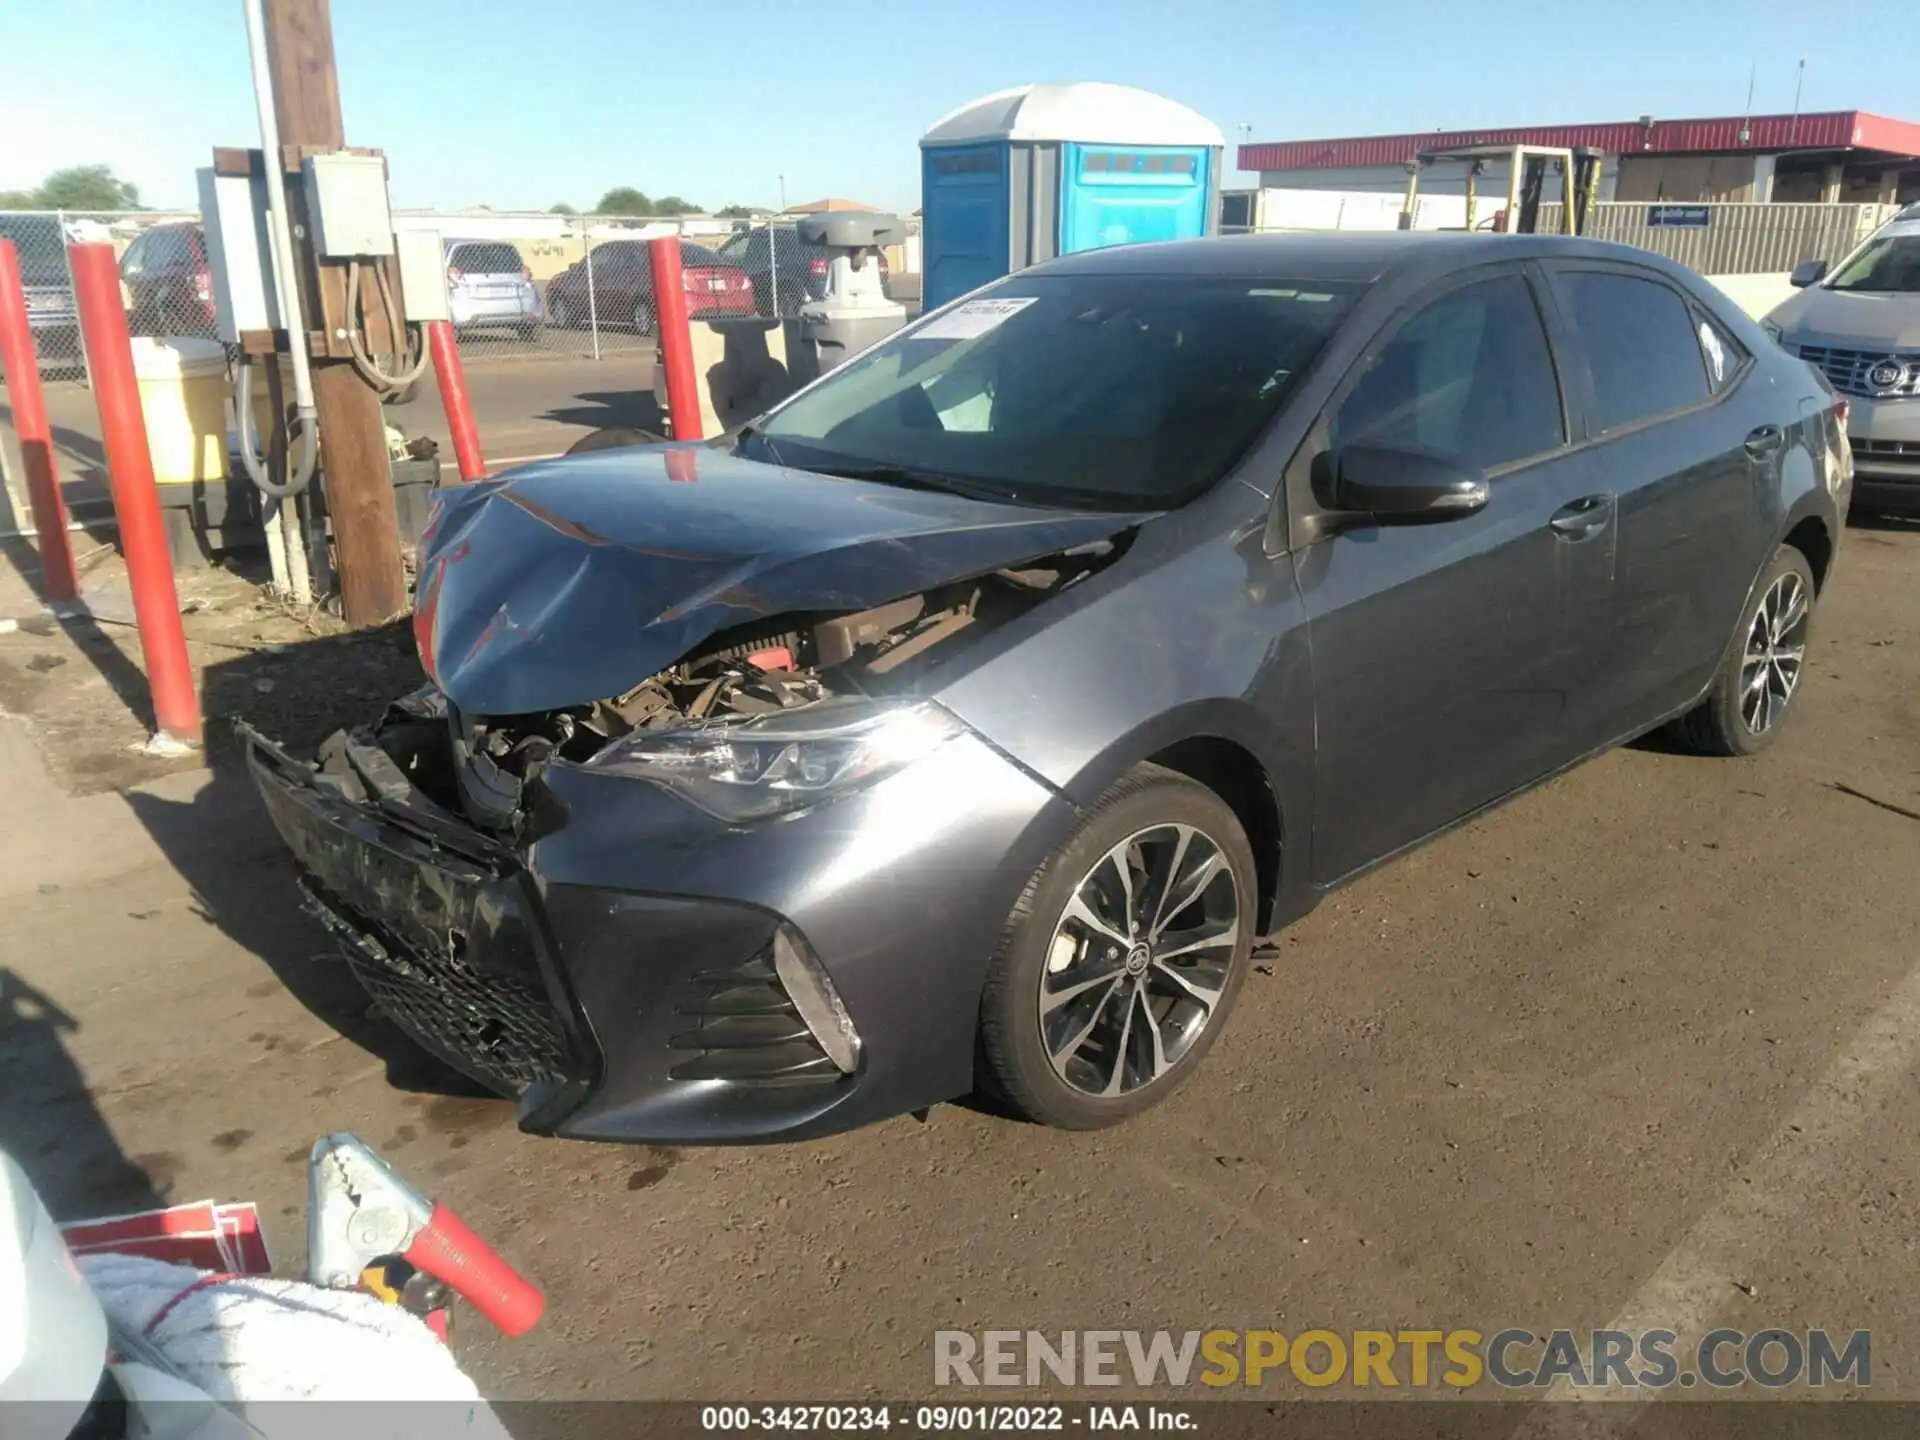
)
(1724, 354)
(1642, 346)
(1471, 375)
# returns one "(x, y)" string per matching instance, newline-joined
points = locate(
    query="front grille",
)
(1848, 370)
(498, 1028)
(745, 1027)
(1887, 449)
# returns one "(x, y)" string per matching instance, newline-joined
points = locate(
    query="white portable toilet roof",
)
(1088, 111)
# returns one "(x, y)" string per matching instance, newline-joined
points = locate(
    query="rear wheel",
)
(643, 318)
(1760, 676)
(1121, 960)
(559, 313)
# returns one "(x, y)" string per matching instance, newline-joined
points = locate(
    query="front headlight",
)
(749, 769)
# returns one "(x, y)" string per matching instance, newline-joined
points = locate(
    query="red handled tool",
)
(360, 1213)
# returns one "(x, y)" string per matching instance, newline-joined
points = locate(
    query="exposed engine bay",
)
(480, 766)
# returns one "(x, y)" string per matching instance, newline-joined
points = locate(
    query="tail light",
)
(1842, 411)
(526, 273)
(203, 285)
(453, 275)
(817, 265)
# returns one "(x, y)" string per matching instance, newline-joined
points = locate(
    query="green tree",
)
(674, 205)
(87, 187)
(563, 208)
(736, 212)
(624, 200)
(19, 199)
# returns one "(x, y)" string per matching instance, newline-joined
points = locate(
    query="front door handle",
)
(1585, 517)
(1764, 440)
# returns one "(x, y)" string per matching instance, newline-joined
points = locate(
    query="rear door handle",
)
(1587, 516)
(1764, 440)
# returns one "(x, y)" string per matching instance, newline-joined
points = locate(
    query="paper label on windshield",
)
(973, 317)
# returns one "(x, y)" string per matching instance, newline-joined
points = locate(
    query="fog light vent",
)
(775, 1020)
(807, 982)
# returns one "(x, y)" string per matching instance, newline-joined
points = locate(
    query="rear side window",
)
(1723, 354)
(487, 259)
(1471, 374)
(1642, 348)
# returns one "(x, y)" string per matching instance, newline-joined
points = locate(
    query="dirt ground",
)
(1639, 1047)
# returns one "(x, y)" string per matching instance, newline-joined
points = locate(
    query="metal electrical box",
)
(347, 203)
(423, 276)
(239, 253)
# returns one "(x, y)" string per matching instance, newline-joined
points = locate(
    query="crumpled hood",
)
(573, 580)
(1849, 321)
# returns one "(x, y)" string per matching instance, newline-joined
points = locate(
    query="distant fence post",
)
(586, 263)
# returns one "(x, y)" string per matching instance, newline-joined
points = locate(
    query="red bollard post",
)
(676, 338)
(452, 376)
(22, 369)
(136, 498)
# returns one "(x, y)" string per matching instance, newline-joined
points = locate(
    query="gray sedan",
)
(963, 722)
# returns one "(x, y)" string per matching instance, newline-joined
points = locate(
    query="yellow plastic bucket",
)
(183, 395)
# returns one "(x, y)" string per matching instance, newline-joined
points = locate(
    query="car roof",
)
(1360, 257)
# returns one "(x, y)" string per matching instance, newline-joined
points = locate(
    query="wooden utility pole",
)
(353, 444)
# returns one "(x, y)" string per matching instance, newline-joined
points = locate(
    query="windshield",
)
(1891, 263)
(1116, 391)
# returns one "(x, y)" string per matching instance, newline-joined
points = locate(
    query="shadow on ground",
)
(48, 1121)
(611, 409)
(221, 842)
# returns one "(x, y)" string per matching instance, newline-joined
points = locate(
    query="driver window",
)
(1471, 374)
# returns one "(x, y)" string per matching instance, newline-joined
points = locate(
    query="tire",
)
(1088, 1060)
(1769, 644)
(560, 314)
(643, 317)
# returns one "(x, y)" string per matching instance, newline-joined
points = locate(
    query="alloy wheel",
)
(1139, 960)
(1776, 645)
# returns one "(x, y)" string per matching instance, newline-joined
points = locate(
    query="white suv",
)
(1859, 324)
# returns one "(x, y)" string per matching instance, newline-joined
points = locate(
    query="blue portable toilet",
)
(1025, 174)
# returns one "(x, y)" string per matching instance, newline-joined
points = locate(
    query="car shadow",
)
(222, 843)
(610, 410)
(49, 1122)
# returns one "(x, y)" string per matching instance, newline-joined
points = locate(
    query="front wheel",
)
(1120, 962)
(1760, 676)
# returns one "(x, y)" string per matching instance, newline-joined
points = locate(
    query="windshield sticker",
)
(973, 318)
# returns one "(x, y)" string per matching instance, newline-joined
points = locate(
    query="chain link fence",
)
(517, 284)
(584, 285)
(164, 280)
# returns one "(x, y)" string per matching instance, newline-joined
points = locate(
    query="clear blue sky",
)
(519, 104)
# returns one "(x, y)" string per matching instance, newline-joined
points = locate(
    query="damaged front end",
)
(420, 840)
(756, 720)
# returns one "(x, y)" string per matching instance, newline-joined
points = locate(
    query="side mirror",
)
(1806, 273)
(1401, 484)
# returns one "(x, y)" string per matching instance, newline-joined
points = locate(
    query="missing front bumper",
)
(439, 924)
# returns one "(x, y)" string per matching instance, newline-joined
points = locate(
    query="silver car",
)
(1858, 323)
(490, 286)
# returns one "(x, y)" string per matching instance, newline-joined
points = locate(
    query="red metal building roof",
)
(1821, 130)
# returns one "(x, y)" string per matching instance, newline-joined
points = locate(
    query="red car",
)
(169, 284)
(622, 292)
